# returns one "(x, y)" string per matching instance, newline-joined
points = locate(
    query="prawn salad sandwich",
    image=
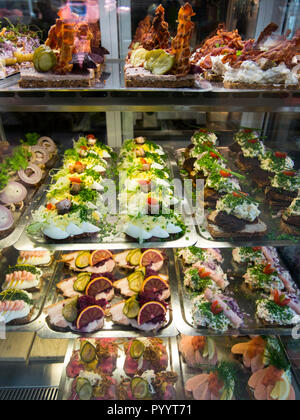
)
(23, 277)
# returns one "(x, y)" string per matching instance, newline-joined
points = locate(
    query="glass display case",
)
(149, 233)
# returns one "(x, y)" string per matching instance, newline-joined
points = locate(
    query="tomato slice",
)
(289, 173)
(216, 308)
(253, 141)
(268, 269)
(225, 174)
(214, 155)
(203, 273)
(256, 248)
(281, 155)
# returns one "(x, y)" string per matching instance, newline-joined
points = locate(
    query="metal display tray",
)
(9, 257)
(224, 345)
(28, 242)
(110, 329)
(174, 365)
(21, 215)
(237, 289)
(275, 236)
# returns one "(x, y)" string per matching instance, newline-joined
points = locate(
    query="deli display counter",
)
(149, 201)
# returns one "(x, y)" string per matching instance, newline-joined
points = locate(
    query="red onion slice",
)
(40, 156)
(13, 193)
(6, 219)
(32, 175)
(48, 144)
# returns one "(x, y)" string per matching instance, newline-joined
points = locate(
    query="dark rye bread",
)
(280, 197)
(235, 147)
(256, 86)
(261, 177)
(246, 164)
(291, 220)
(250, 230)
(289, 229)
(212, 77)
(140, 77)
(23, 321)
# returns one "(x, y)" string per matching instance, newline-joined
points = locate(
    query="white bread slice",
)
(250, 230)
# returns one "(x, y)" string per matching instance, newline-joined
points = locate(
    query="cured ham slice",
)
(231, 315)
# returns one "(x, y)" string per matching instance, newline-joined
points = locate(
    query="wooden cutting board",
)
(16, 347)
(48, 349)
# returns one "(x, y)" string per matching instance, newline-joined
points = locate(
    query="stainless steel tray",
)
(245, 298)
(110, 329)
(224, 346)
(274, 237)
(20, 216)
(9, 257)
(170, 343)
(28, 242)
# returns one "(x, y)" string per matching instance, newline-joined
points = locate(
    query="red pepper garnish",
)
(281, 155)
(90, 136)
(289, 173)
(214, 155)
(144, 162)
(239, 194)
(153, 201)
(203, 130)
(203, 273)
(268, 269)
(256, 248)
(280, 299)
(216, 308)
(75, 180)
(225, 174)
(50, 206)
(253, 141)
(247, 130)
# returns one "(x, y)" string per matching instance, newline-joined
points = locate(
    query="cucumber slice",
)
(139, 388)
(86, 392)
(83, 260)
(80, 383)
(46, 61)
(131, 308)
(69, 311)
(88, 353)
(135, 281)
(137, 349)
(163, 64)
(83, 279)
(151, 58)
(135, 257)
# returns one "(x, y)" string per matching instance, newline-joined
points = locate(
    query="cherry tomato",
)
(225, 174)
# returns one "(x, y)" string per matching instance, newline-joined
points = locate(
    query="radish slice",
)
(6, 219)
(32, 175)
(48, 144)
(39, 156)
(13, 193)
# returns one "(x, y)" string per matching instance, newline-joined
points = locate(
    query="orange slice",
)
(150, 256)
(150, 311)
(98, 285)
(88, 315)
(154, 284)
(99, 256)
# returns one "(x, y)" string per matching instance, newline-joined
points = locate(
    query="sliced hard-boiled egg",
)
(74, 230)
(54, 232)
(89, 227)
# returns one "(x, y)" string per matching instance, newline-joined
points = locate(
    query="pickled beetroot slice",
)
(6, 219)
(13, 193)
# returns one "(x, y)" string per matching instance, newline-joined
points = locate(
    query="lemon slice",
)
(227, 395)
(282, 389)
(138, 57)
(211, 348)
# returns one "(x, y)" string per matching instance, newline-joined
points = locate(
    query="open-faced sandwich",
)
(218, 184)
(23, 277)
(93, 386)
(72, 55)
(237, 215)
(82, 314)
(216, 311)
(283, 189)
(97, 355)
(193, 254)
(255, 255)
(149, 386)
(94, 262)
(16, 307)
(242, 137)
(143, 354)
(290, 220)
(198, 351)
(271, 164)
(280, 308)
(218, 384)
(263, 277)
(35, 258)
(204, 275)
(159, 62)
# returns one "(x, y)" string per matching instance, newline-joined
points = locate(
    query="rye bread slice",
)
(23, 321)
(291, 220)
(212, 77)
(140, 77)
(251, 230)
(289, 229)
(246, 164)
(257, 86)
(279, 196)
